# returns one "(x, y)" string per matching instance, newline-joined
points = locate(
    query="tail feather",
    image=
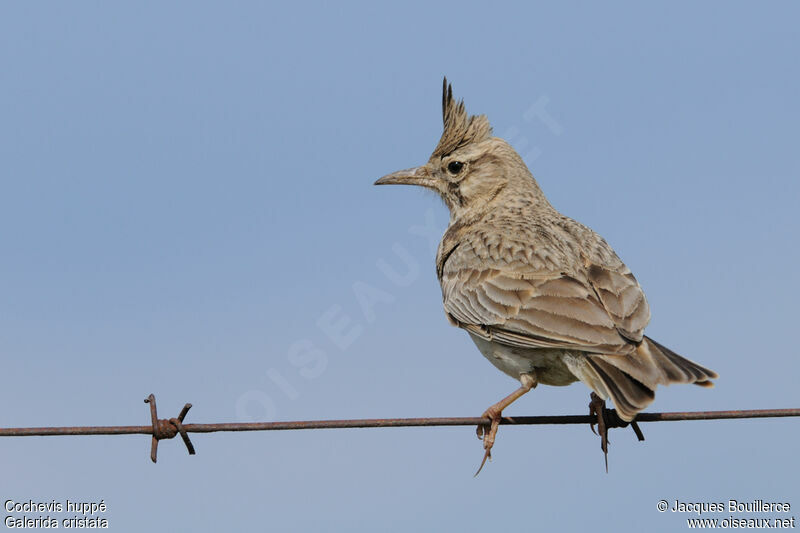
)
(628, 394)
(630, 380)
(697, 374)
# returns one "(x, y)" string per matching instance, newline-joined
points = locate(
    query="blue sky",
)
(186, 207)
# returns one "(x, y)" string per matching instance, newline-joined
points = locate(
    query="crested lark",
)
(545, 298)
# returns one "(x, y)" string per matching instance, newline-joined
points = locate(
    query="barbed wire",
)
(164, 428)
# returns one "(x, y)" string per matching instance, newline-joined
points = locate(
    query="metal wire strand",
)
(168, 428)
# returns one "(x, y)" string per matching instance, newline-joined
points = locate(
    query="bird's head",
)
(469, 168)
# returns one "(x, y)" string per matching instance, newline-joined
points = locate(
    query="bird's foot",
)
(606, 419)
(488, 435)
(527, 381)
(597, 408)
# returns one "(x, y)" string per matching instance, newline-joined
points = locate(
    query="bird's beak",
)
(410, 176)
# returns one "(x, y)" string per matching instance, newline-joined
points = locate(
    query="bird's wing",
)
(601, 311)
(622, 297)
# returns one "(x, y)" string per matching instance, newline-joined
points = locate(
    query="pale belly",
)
(550, 366)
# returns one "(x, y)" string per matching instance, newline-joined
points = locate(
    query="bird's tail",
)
(631, 380)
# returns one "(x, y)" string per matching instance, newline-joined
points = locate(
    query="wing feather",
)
(598, 310)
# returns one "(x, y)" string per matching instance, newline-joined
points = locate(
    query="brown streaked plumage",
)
(544, 298)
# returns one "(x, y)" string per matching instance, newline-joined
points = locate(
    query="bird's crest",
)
(460, 129)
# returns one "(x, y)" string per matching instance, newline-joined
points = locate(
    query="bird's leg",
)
(495, 412)
(605, 420)
(597, 406)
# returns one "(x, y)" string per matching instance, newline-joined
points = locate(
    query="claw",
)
(488, 436)
(487, 455)
(596, 408)
(608, 419)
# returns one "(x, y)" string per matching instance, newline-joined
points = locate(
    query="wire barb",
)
(167, 429)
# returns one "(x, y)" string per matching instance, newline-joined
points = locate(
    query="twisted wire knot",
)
(165, 429)
(612, 419)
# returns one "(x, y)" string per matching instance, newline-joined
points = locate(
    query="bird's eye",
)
(455, 167)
